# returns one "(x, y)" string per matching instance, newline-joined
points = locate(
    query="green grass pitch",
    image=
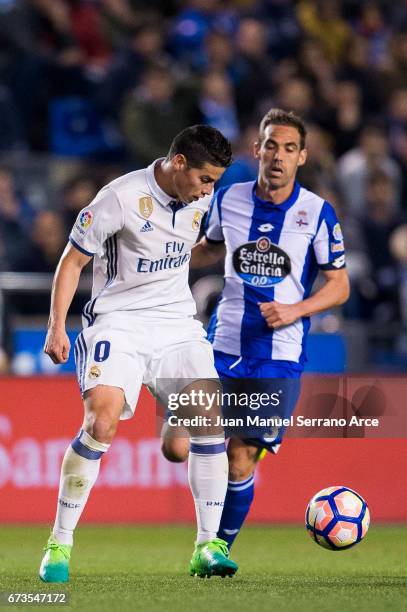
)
(146, 569)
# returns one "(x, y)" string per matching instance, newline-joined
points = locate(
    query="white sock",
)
(208, 480)
(80, 469)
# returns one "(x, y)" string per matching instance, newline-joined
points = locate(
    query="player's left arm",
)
(205, 253)
(329, 252)
(334, 292)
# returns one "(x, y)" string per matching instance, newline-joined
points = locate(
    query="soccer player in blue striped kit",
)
(276, 236)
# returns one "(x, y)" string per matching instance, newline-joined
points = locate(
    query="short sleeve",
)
(328, 242)
(95, 223)
(213, 226)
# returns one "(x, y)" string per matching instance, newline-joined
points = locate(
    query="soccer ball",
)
(337, 518)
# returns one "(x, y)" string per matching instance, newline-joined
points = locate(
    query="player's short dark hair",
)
(202, 144)
(278, 116)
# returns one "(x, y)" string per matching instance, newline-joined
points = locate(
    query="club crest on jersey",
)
(196, 221)
(145, 206)
(260, 263)
(263, 244)
(94, 372)
(302, 218)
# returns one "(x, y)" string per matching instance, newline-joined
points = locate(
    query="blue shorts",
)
(248, 377)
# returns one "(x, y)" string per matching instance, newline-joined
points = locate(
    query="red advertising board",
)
(40, 416)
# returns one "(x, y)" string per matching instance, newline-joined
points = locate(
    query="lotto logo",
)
(265, 227)
(339, 262)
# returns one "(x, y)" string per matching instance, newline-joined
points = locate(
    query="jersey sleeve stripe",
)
(87, 315)
(111, 252)
(81, 249)
(216, 201)
(220, 197)
(108, 246)
(209, 213)
(321, 217)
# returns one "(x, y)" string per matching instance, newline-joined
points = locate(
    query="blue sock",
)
(238, 500)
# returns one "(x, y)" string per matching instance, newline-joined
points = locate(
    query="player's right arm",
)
(211, 248)
(206, 253)
(64, 286)
(95, 223)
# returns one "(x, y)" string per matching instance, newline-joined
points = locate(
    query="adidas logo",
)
(147, 227)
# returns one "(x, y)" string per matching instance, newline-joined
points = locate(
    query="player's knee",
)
(175, 449)
(103, 406)
(242, 461)
(101, 428)
(240, 471)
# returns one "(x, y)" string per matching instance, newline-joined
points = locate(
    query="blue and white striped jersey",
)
(273, 252)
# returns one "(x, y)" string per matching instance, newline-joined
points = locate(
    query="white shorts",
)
(125, 351)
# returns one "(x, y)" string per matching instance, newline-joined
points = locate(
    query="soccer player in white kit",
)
(139, 328)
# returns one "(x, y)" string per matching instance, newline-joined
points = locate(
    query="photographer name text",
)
(258, 421)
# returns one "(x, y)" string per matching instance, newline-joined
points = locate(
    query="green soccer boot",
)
(212, 559)
(55, 563)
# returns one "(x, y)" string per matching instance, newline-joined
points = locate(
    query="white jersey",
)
(141, 243)
(273, 252)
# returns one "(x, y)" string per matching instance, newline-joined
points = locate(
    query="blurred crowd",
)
(102, 86)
